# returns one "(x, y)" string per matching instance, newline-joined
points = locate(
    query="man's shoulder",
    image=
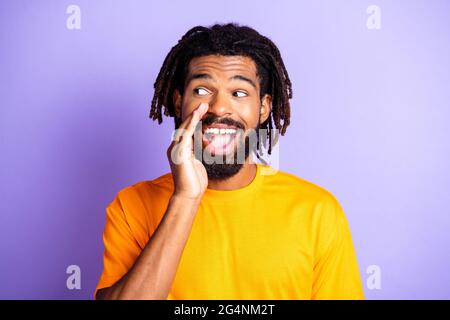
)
(320, 204)
(291, 184)
(146, 189)
(140, 206)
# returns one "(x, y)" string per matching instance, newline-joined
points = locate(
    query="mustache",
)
(211, 119)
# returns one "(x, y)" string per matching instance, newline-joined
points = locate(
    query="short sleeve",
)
(336, 272)
(120, 246)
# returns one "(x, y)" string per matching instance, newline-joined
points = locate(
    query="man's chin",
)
(222, 171)
(222, 167)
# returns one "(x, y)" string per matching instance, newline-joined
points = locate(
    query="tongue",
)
(220, 141)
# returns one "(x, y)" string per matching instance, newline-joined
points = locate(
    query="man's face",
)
(230, 85)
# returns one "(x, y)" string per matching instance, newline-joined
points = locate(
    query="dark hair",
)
(226, 39)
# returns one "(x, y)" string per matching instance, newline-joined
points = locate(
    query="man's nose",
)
(220, 105)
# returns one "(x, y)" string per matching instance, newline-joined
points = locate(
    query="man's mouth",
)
(220, 139)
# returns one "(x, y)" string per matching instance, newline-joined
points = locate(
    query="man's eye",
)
(243, 94)
(200, 91)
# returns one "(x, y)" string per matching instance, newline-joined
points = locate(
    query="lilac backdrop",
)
(369, 123)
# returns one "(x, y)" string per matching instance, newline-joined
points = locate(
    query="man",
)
(223, 229)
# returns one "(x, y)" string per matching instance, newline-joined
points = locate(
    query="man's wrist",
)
(180, 199)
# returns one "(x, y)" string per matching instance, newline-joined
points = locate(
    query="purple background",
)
(369, 123)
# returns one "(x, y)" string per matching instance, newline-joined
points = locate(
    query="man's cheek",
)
(250, 113)
(187, 110)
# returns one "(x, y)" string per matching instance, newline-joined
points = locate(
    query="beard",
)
(222, 167)
(228, 166)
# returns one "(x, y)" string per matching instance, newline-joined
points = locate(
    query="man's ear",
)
(266, 105)
(177, 99)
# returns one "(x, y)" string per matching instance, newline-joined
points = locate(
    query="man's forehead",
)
(226, 64)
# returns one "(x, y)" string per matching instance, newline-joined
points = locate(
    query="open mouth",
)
(220, 139)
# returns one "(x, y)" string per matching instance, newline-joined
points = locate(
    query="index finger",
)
(197, 114)
(189, 124)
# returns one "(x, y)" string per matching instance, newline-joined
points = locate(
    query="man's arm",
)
(153, 272)
(336, 272)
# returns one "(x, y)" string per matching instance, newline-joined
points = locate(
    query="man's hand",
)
(189, 174)
(153, 272)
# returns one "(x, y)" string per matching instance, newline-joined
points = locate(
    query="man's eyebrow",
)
(198, 76)
(208, 77)
(242, 78)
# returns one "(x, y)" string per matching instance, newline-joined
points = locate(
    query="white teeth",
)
(220, 131)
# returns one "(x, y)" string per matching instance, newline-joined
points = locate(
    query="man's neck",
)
(241, 179)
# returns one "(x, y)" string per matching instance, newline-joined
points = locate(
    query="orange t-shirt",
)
(280, 237)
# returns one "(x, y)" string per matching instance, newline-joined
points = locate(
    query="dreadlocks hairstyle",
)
(227, 39)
